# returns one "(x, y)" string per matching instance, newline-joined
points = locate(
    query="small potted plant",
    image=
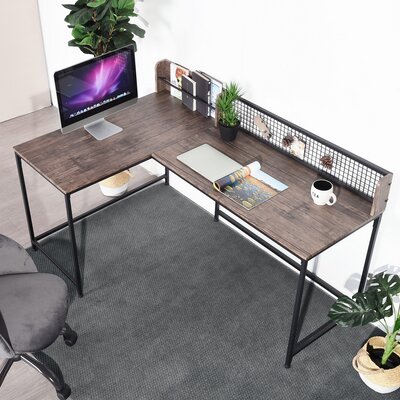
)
(228, 118)
(378, 362)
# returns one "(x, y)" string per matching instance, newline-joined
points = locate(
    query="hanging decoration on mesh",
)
(326, 161)
(262, 126)
(287, 140)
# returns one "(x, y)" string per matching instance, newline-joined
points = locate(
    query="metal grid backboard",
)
(349, 170)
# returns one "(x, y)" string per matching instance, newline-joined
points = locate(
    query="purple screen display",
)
(96, 85)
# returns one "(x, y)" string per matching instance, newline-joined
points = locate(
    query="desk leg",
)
(25, 199)
(216, 212)
(370, 250)
(166, 176)
(73, 244)
(296, 313)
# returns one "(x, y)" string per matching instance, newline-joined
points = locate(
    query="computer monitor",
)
(89, 91)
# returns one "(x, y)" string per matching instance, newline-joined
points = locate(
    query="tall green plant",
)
(227, 114)
(99, 26)
(376, 304)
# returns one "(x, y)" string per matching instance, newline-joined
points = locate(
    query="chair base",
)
(62, 389)
(69, 335)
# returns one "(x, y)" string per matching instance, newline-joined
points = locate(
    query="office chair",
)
(33, 309)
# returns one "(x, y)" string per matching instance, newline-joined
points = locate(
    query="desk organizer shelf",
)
(349, 170)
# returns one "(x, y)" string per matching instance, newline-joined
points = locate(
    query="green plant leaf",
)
(84, 49)
(87, 50)
(72, 43)
(387, 284)
(123, 19)
(397, 325)
(96, 3)
(88, 40)
(126, 4)
(356, 311)
(79, 31)
(71, 7)
(121, 39)
(102, 13)
(136, 30)
(80, 17)
(106, 26)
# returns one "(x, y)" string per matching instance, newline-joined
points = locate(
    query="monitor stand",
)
(102, 129)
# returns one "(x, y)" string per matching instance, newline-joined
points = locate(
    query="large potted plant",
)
(228, 118)
(378, 362)
(100, 26)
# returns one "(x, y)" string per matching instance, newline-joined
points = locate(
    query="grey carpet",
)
(178, 307)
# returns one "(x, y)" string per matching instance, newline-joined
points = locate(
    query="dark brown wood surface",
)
(290, 218)
(160, 126)
(76, 160)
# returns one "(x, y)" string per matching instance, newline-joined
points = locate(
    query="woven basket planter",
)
(115, 185)
(379, 379)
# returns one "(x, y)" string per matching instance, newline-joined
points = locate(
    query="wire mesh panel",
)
(329, 160)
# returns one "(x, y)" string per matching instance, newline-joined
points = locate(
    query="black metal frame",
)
(294, 345)
(71, 220)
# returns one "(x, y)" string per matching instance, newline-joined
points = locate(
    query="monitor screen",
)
(91, 90)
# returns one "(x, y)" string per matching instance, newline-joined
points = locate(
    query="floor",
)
(47, 206)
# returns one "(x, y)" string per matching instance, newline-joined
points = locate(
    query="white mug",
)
(322, 192)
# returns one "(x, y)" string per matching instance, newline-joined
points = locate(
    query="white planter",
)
(377, 388)
(378, 379)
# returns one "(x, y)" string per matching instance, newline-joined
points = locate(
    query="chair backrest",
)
(13, 258)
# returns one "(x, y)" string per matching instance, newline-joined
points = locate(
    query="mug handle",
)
(332, 200)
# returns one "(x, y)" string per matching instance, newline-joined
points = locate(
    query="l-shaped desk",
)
(160, 127)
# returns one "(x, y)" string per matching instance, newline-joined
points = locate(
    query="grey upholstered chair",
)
(33, 309)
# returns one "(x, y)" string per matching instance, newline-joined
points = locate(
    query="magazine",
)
(176, 72)
(249, 186)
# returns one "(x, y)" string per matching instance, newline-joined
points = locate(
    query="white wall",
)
(330, 67)
(23, 77)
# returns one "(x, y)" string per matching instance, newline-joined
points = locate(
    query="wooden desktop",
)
(160, 127)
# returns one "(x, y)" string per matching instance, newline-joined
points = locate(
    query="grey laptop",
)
(209, 162)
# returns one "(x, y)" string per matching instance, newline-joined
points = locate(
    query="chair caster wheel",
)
(70, 338)
(64, 393)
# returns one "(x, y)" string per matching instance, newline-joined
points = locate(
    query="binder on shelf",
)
(215, 90)
(189, 86)
(203, 85)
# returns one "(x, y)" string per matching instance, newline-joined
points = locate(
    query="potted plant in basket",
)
(100, 26)
(378, 362)
(228, 118)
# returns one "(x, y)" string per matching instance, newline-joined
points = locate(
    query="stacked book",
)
(197, 90)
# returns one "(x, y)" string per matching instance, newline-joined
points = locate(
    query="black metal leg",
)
(370, 250)
(166, 176)
(6, 368)
(216, 212)
(296, 312)
(25, 199)
(73, 244)
(57, 382)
